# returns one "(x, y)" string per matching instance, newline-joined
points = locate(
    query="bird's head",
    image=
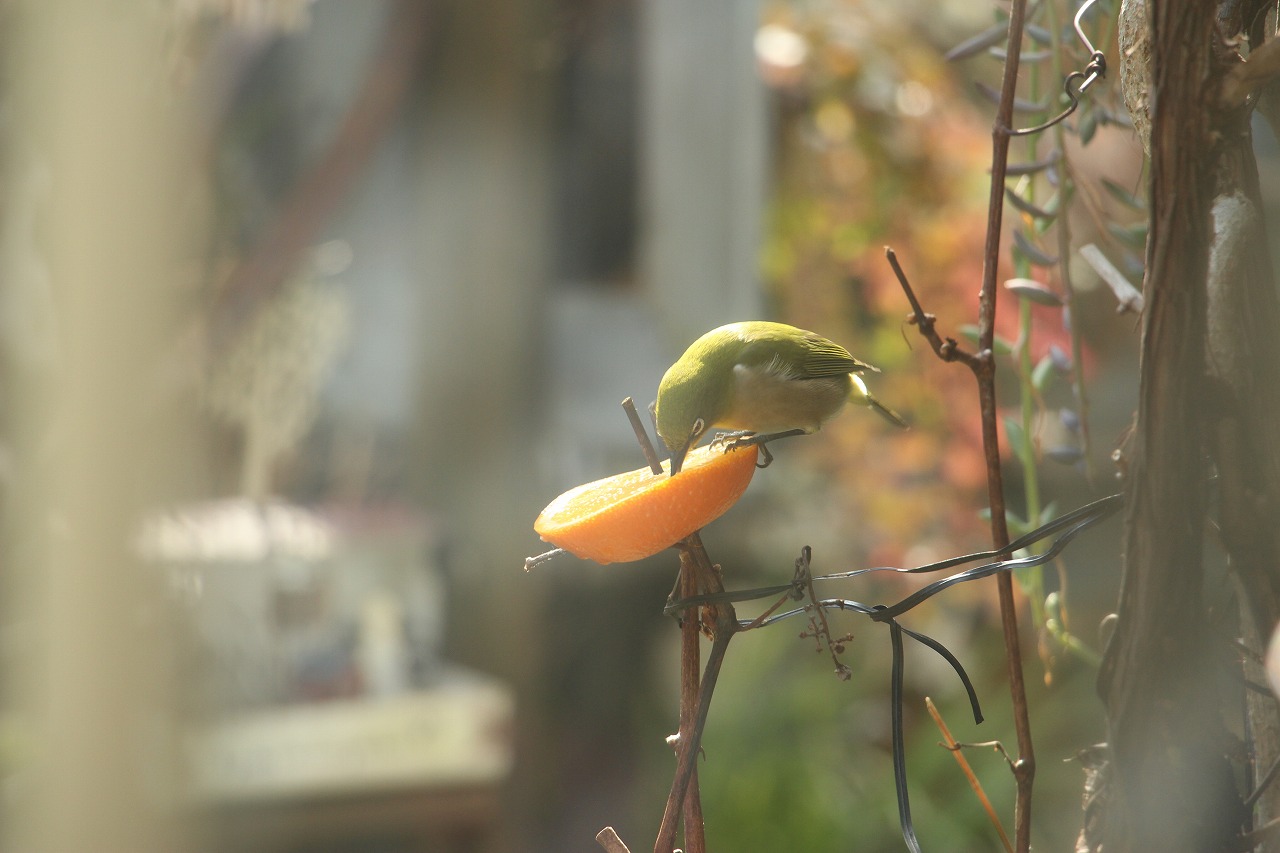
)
(696, 391)
(684, 410)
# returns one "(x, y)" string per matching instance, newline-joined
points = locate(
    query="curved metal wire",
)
(1095, 70)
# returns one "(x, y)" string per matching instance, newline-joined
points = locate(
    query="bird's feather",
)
(807, 356)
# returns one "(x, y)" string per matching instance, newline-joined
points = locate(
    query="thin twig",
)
(530, 562)
(1024, 767)
(983, 366)
(954, 747)
(946, 349)
(642, 436)
(763, 617)
(818, 614)
(609, 840)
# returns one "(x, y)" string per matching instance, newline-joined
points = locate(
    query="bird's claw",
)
(732, 440)
(744, 438)
(767, 457)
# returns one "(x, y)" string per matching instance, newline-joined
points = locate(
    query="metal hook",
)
(1084, 39)
(1094, 71)
(1097, 59)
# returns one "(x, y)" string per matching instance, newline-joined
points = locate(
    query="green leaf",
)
(1123, 196)
(1087, 126)
(1039, 34)
(1020, 203)
(1042, 373)
(1023, 246)
(978, 43)
(1033, 291)
(1019, 169)
(1134, 236)
(1016, 525)
(1017, 437)
(1020, 105)
(1001, 53)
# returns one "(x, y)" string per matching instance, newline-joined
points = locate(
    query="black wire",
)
(1070, 525)
(943, 651)
(983, 571)
(1084, 518)
(955, 664)
(1092, 512)
(1088, 514)
(899, 741)
(675, 606)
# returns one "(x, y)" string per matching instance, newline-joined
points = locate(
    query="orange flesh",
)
(637, 514)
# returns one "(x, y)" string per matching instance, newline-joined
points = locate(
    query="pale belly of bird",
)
(764, 402)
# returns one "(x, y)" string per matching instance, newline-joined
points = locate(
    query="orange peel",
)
(634, 515)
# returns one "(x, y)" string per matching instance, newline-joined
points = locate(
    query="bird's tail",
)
(860, 394)
(887, 413)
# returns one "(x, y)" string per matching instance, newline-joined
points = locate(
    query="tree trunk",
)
(1163, 678)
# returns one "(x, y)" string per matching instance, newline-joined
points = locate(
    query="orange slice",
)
(635, 515)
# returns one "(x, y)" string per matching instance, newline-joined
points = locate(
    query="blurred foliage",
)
(881, 142)
(876, 147)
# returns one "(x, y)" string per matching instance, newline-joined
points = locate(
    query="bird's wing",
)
(809, 357)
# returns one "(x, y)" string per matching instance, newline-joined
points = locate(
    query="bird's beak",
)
(677, 458)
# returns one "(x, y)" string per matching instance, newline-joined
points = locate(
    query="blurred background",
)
(308, 307)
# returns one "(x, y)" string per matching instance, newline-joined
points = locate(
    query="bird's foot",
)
(731, 440)
(761, 440)
(745, 438)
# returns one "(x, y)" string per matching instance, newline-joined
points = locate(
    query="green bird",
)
(762, 378)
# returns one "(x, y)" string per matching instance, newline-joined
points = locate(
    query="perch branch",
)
(697, 574)
(690, 660)
(724, 624)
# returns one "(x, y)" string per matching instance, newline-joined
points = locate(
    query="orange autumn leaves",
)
(637, 514)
